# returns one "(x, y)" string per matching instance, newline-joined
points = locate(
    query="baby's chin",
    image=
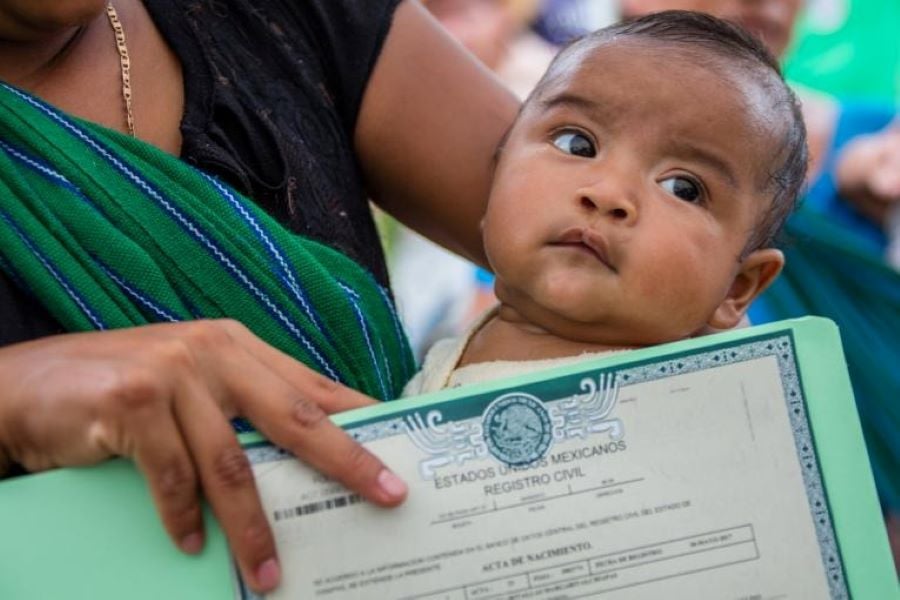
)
(645, 334)
(608, 336)
(564, 317)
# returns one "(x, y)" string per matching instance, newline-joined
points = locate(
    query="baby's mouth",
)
(588, 240)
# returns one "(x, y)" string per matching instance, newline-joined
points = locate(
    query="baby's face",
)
(626, 193)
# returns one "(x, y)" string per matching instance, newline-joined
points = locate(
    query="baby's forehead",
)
(672, 89)
(594, 57)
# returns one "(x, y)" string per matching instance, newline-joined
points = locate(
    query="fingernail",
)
(192, 543)
(391, 485)
(268, 574)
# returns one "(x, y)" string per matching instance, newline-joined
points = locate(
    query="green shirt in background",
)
(848, 48)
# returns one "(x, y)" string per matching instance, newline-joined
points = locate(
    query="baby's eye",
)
(572, 142)
(683, 188)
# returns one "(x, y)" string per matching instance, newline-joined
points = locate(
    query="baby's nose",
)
(614, 205)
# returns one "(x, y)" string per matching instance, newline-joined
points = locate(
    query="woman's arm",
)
(431, 119)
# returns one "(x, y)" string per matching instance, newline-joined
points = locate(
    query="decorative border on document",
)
(782, 348)
(779, 345)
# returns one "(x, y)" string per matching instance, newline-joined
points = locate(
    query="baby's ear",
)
(758, 270)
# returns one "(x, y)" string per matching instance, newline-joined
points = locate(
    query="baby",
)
(635, 200)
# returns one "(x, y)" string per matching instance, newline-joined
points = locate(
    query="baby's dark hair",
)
(693, 31)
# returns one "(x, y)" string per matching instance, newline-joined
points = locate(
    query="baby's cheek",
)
(672, 281)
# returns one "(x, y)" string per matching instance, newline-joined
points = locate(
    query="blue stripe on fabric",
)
(11, 272)
(364, 325)
(191, 228)
(45, 170)
(136, 295)
(98, 323)
(286, 275)
(386, 365)
(39, 166)
(242, 425)
(398, 327)
(48, 172)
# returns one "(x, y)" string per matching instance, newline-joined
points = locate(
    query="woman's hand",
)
(163, 396)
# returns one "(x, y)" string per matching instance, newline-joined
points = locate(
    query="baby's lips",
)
(596, 242)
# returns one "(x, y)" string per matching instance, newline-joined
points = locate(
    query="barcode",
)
(314, 507)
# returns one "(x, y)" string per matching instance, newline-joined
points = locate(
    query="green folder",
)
(93, 533)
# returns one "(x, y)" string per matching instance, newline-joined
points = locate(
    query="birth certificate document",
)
(689, 475)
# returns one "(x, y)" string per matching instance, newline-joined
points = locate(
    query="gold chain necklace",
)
(124, 64)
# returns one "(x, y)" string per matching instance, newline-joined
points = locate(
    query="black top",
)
(272, 92)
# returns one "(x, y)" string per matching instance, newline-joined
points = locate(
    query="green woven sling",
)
(108, 231)
(830, 272)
